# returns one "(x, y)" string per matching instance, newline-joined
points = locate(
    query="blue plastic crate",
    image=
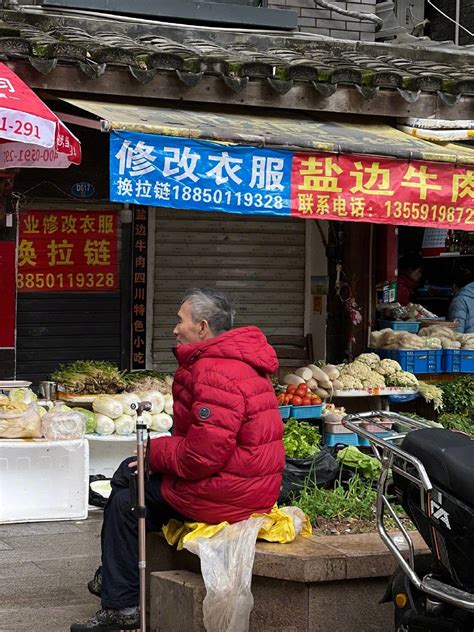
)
(414, 361)
(307, 412)
(458, 361)
(381, 435)
(284, 411)
(401, 399)
(401, 325)
(346, 438)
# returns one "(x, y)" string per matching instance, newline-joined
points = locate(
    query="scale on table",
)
(8, 385)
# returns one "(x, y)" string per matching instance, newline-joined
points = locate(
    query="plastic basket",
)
(381, 435)
(414, 361)
(284, 411)
(347, 438)
(458, 361)
(334, 427)
(400, 325)
(402, 399)
(376, 428)
(307, 412)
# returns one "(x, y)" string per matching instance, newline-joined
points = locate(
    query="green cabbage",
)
(89, 418)
(104, 425)
(124, 425)
(23, 395)
(108, 406)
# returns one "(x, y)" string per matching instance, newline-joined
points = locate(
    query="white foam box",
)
(43, 480)
(108, 451)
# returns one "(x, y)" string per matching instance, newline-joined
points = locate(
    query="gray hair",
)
(211, 305)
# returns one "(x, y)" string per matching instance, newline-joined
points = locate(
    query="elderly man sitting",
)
(224, 461)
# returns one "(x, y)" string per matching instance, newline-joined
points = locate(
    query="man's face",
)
(186, 330)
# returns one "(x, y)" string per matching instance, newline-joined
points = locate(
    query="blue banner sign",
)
(174, 172)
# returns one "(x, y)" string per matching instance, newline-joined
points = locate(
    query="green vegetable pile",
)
(458, 396)
(90, 376)
(301, 439)
(368, 466)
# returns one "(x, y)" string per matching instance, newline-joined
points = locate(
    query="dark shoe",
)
(95, 585)
(109, 619)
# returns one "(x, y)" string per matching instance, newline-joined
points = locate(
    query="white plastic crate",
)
(43, 480)
(108, 451)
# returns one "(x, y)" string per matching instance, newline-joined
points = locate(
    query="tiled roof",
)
(282, 62)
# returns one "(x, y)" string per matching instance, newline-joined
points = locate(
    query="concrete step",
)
(286, 606)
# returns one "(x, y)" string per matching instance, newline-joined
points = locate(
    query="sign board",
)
(181, 173)
(139, 288)
(67, 251)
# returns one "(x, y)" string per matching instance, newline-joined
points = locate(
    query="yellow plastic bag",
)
(281, 525)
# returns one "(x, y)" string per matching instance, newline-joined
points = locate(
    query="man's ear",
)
(204, 330)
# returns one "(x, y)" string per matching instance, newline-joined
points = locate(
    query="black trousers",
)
(120, 578)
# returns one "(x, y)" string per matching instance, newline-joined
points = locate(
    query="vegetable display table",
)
(379, 396)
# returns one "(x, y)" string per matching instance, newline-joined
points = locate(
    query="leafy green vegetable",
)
(458, 395)
(453, 421)
(366, 465)
(301, 439)
(90, 376)
(89, 417)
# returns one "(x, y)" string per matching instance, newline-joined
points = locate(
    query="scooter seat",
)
(448, 458)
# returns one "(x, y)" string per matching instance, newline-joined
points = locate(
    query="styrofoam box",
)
(107, 452)
(43, 480)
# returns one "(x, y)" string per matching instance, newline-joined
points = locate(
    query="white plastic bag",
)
(226, 566)
(19, 421)
(63, 425)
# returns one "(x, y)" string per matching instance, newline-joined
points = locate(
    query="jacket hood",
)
(467, 291)
(247, 344)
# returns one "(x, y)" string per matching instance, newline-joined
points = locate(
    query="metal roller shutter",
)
(258, 261)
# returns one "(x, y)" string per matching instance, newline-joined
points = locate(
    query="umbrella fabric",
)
(25, 119)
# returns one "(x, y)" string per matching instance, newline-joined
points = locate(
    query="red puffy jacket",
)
(226, 457)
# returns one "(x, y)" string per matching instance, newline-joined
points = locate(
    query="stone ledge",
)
(307, 560)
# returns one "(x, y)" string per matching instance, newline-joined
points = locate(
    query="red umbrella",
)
(32, 134)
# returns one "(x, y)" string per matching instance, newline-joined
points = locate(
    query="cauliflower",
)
(403, 379)
(370, 359)
(374, 379)
(388, 367)
(357, 369)
(349, 382)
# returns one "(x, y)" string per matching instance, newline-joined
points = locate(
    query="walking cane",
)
(140, 508)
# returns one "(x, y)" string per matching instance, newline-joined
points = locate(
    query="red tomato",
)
(306, 401)
(291, 388)
(296, 401)
(303, 389)
(287, 400)
(289, 397)
(281, 399)
(315, 400)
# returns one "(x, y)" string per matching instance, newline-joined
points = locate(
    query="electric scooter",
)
(430, 473)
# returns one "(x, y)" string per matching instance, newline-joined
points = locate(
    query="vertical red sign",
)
(7, 294)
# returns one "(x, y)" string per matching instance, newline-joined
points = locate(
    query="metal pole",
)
(457, 18)
(141, 509)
